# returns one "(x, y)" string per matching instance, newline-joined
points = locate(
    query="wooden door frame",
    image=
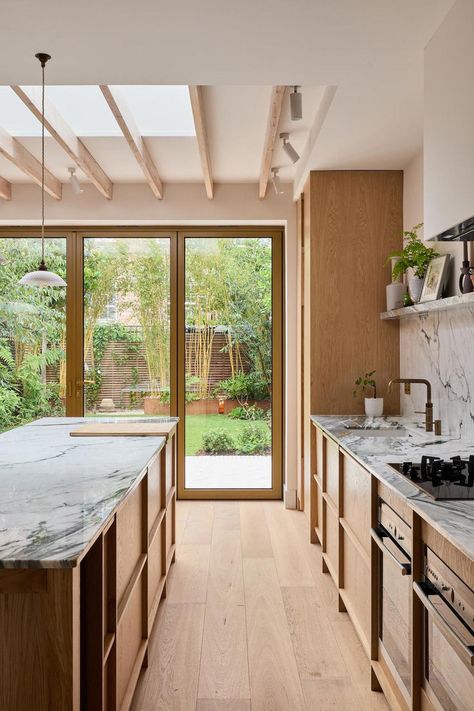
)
(278, 373)
(75, 236)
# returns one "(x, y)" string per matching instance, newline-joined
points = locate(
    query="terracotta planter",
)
(154, 406)
(210, 406)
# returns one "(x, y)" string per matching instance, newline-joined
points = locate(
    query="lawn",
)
(197, 425)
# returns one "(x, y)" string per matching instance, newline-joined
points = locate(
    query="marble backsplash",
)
(440, 347)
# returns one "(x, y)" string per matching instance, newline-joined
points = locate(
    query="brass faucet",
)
(428, 406)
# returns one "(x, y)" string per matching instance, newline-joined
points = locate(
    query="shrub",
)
(254, 440)
(217, 442)
(247, 412)
(244, 386)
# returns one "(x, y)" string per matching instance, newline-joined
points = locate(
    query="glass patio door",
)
(127, 325)
(33, 380)
(230, 364)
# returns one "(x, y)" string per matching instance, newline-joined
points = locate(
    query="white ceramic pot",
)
(395, 293)
(415, 287)
(374, 406)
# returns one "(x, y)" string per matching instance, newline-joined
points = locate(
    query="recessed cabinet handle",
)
(379, 535)
(424, 593)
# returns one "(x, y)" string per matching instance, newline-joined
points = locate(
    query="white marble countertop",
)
(57, 491)
(454, 519)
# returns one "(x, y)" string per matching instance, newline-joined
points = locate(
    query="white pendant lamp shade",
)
(42, 276)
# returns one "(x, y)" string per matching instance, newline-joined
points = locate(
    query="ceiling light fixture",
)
(42, 277)
(288, 148)
(276, 182)
(296, 105)
(74, 180)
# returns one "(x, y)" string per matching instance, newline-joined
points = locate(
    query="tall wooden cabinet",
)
(351, 221)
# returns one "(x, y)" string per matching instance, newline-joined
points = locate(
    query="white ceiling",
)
(371, 50)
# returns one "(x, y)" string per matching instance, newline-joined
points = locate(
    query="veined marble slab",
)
(453, 519)
(57, 491)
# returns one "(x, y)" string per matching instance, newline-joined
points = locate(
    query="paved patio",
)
(229, 472)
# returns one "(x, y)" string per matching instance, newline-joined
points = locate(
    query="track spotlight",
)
(296, 105)
(74, 180)
(288, 148)
(276, 182)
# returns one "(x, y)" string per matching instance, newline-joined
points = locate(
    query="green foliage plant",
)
(254, 440)
(247, 412)
(363, 382)
(414, 255)
(218, 441)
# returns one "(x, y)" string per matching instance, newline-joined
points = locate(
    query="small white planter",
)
(373, 406)
(415, 287)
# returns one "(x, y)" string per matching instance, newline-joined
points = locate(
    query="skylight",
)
(157, 110)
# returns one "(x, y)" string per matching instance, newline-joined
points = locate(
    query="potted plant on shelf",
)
(416, 256)
(374, 404)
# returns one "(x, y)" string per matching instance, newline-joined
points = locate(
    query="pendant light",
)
(42, 277)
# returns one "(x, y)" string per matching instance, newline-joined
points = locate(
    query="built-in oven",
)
(393, 538)
(448, 636)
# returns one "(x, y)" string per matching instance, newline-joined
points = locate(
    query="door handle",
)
(378, 536)
(84, 382)
(424, 592)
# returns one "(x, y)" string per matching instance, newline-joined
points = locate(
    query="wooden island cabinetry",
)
(417, 662)
(75, 638)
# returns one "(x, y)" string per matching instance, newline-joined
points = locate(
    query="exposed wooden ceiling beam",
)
(5, 189)
(276, 102)
(197, 104)
(67, 139)
(127, 124)
(16, 153)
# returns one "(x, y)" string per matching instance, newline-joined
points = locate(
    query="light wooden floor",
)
(250, 621)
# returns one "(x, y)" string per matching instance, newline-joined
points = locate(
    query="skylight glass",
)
(157, 110)
(160, 110)
(15, 117)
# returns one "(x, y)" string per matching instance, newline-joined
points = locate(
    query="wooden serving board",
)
(124, 429)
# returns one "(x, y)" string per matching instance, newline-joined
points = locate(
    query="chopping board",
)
(124, 429)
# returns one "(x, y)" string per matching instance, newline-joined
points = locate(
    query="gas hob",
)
(440, 478)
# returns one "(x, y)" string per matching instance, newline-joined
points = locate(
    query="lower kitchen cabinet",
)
(399, 580)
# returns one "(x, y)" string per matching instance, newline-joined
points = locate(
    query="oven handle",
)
(424, 592)
(378, 535)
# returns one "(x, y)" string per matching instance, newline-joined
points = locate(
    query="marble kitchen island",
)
(86, 542)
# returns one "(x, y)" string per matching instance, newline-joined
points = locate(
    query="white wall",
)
(448, 124)
(183, 204)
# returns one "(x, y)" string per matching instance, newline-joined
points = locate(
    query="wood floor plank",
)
(274, 680)
(254, 533)
(292, 566)
(188, 580)
(225, 582)
(170, 683)
(227, 516)
(199, 522)
(224, 665)
(317, 652)
(330, 695)
(357, 663)
(223, 705)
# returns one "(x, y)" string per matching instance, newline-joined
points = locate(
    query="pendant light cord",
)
(42, 164)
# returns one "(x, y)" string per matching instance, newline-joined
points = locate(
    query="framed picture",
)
(435, 278)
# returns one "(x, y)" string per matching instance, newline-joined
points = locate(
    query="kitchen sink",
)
(393, 432)
(374, 428)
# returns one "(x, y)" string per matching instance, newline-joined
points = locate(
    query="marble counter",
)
(453, 519)
(56, 491)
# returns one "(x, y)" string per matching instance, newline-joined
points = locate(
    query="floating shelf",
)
(451, 302)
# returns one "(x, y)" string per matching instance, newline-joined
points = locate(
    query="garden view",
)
(228, 366)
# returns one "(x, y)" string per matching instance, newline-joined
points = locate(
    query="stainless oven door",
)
(394, 605)
(448, 653)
